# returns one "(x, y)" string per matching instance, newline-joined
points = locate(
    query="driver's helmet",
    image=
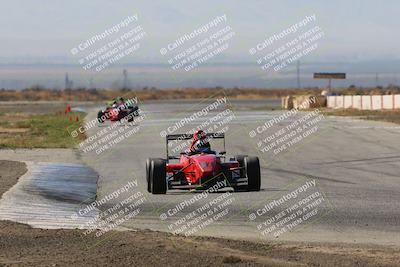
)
(200, 142)
(199, 135)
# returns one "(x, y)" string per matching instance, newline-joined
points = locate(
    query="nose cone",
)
(206, 163)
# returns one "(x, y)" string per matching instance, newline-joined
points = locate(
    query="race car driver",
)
(200, 143)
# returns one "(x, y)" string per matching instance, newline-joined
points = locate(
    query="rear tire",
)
(252, 169)
(158, 176)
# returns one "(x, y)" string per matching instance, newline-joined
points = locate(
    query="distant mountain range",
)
(26, 74)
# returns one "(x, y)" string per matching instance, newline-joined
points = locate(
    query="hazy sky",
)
(47, 29)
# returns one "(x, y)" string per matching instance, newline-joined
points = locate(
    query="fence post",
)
(343, 102)
(393, 102)
(372, 103)
(352, 102)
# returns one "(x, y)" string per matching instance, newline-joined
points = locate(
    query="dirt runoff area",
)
(21, 245)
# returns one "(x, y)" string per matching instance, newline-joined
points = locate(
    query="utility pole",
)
(377, 79)
(125, 81)
(68, 82)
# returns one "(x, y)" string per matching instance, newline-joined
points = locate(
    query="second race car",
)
(118, 110)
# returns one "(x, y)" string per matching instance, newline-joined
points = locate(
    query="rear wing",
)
(182, 137)
(170, 137)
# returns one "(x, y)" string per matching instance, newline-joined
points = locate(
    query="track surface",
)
(48, 195)
(356, 166)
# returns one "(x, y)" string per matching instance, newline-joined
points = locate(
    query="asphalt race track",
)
(355, 165)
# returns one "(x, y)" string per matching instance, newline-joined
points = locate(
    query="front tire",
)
(158, 176)
(148, 166)
(252, 169)
(100, 116)
(121, 115)
(131, 116)
(240, 159)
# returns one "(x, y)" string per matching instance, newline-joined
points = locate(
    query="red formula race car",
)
(201, 168)
(117, 111)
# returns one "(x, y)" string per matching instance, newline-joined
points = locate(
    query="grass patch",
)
(40, 131)
(231, 259)
(376, 115)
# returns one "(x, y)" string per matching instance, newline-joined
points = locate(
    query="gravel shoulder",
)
(9, 174)
(21, 245)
